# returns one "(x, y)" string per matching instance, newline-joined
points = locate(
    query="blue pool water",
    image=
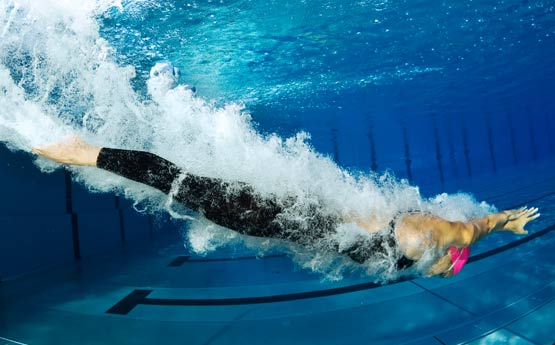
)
(371, 106)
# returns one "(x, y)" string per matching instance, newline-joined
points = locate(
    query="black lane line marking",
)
(180, 260)
(534, 199)
(140, 296)
(74, 220)
(520, 188)
(439, 340)
(129, 302)
(511, 245)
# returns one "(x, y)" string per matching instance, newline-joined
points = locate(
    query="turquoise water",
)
(376, 107)
(351, 68)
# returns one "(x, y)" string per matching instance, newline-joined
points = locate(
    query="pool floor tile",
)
(502, 336)
(538, 326)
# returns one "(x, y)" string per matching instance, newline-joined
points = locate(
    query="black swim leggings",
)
(238, 207)
(233, 205)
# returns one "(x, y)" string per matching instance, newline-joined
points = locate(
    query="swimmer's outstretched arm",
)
(464, 234)
(418, 232)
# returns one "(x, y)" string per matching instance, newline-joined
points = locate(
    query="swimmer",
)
(235, 205)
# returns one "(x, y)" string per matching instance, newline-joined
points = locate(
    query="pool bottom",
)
(506, 294)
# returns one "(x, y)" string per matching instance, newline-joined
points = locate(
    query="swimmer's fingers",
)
(528, 214)
(532, 214)
(36, 151)
(516, 213)
(39, 151)
(520, 218)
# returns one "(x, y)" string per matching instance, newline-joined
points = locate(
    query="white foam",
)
(58, 76)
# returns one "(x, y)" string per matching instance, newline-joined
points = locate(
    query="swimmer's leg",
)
(234, 205)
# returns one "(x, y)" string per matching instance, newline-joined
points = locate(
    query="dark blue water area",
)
(433, 91)
(451, 95)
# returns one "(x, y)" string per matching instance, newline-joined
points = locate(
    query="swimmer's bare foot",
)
(72, 150)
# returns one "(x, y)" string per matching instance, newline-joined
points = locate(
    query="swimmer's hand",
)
(73, 151)
(517, 219)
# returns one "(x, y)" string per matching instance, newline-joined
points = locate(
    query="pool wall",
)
(48, 219)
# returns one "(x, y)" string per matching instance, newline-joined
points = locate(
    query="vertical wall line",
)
(74, 220)
(548, 132)
(334, 140)
(466, 149)
(512, 136)
(373, 158)
(408, 161)
(533, 147)
(438, 148)
(451, 148)
(121, 220)
(490, 143)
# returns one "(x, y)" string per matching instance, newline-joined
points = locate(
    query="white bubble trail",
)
(58, 77)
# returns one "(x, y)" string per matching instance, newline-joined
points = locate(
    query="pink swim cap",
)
(459, 257)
